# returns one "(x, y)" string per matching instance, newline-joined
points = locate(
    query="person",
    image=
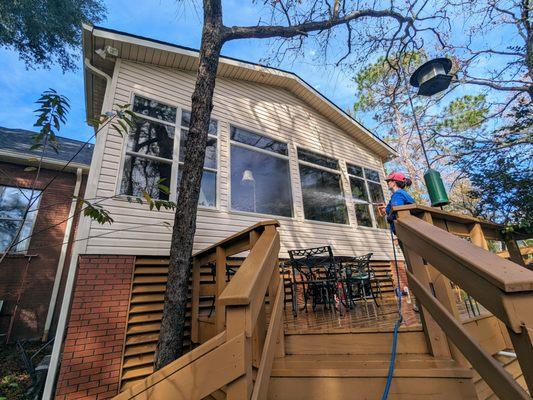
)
(396, 182)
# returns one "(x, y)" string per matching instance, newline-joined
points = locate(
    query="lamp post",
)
(248, 178)
(431, 78)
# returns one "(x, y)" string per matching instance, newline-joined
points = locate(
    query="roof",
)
(16, 144)
(145, 50)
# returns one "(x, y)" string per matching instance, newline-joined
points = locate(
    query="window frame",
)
(26, 242)
(174, 162)
(320, 167)
(370, 203)
(287, 157)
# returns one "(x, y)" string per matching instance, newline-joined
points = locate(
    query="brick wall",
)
(92, 351)
(29, 280)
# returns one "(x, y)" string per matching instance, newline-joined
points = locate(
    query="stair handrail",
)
(227, 359)
(501, 286)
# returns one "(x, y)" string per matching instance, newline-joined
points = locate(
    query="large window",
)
(322, 192)
(260, 179)
(367, 194)
(13, 205)
(151, 148)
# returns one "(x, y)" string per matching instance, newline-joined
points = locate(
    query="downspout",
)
(77, 250)
(63, 254)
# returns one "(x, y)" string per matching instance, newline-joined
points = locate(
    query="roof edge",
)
(163, 45)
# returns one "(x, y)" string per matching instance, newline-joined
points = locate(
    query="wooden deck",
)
(365, 315)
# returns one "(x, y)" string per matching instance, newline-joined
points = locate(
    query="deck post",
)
(477, 236)
(514, 251)
(241, 388)
(220, 285)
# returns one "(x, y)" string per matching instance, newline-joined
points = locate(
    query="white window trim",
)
(320, 167)
(175, 151)
(369, 203)
(287, 157)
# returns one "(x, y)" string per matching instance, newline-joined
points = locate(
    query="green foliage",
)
(52, 112)
(95, 211)
(45, 32)
(464, 113)
(155, 203)
(121, 118)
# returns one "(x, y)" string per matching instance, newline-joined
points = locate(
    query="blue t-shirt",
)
(398, 198)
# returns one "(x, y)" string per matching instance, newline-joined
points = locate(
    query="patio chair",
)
(317, 272)
(357, 278)
(37, 372)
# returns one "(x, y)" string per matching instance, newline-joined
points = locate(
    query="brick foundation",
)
(92, 351)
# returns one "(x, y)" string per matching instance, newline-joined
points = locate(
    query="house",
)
(285, 169)
(32, 275)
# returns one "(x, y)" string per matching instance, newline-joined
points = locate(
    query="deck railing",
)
(437, 256)
(243, 340)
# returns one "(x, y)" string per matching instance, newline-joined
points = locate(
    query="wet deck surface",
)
(365, 315)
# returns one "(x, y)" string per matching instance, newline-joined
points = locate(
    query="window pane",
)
(372, 175)
(186, 121)
(318, 159)
(322, 195)
(13, 203)
(358, 189)
(362, 212)
(354, 170)
(8, 229)
(262, 142)
(381, 220)
(210, 160)
(152, 138)
(208, 188)
(376, 192)
(154, 109)
(141, 173)
(260, 183)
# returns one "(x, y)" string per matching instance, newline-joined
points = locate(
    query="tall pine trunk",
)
(170, 344)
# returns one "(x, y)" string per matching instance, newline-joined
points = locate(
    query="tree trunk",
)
(170, 344)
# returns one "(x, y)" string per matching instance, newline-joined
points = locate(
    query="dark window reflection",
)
(318, 159)
(262, 142)
(354, 170)
(372, 175)
(322, 195)
(376, 192)
(260, 183)
(210, 160)
(154, 109)
(362, 212)
(151, 138)
(145, 174)
(358, 189)
(208, 188)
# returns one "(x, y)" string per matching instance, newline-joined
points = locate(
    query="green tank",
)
(436, 190)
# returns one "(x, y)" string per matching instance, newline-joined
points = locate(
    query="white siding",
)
(263, 109)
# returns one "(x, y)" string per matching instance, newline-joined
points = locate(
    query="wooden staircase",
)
(241, 350)
(355, 366)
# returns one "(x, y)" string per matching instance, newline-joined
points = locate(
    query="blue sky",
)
(168, 20)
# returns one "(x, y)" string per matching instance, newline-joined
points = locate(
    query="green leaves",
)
(52, 113)
(158, 204)
(465, 113)
(121, 118)
(95, 211)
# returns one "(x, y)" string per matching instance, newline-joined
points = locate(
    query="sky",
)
(166, 20)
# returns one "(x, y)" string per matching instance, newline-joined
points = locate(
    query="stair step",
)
(358, 377)
(357, 342)
(367, 365)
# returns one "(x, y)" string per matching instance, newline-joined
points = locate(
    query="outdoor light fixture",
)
(108, 50)
(431, 78)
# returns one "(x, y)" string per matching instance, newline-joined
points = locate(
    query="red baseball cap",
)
(396, 176)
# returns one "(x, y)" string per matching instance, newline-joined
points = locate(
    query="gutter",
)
(78, 248)
(63, 255)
